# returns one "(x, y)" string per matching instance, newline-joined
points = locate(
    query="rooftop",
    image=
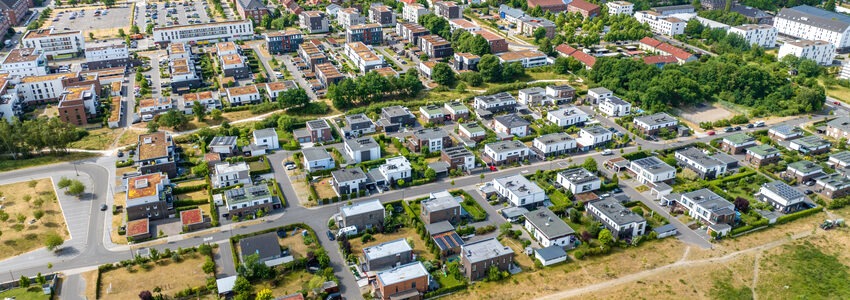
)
(138, 227)
(557, 137)
(223, 141)
(519, 185)
(788, 130)
(387, 249)
(834, 181)
(192, 97)
(315, 154)
(811, 142)
(225, 47)
(615, 211)
(204, 25)
(653, 165)
(143, 185)
(805, 167)
(600, 91)
(447, 240)
(548, 223)
(402, 273)
(489, 36)
(359, 144)
(738, 138)
(395, 111)
(484, 250)
(434, 40)
(456, 106)
(348, 174)
(21, 55)
(457, 151)
(430, 134)
(505, 146)
(807, 43)
(264, 245)
(699, 157)
(817, 17)
(843, 156)
(357, 118)
(518, 55)
(783, 190)
(231, 59)
(265, 133)
(473, 128)
(496, 98)
(246, 194)
(317, 124)
(709, 200)
(439, 203)
(578, 175)
(566, 112)
(595, 130)
(656, 119)
(551, 252)
(462, 23)
(764, 150)
(242, 90)
(842, 123)
(191, 217)
(361, 207)
(153, 145)
(512, 121)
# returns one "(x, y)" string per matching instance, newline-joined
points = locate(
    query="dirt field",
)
(98, 139)
(121, 284)
(118, 220)
(295, 243)
(21, 231)
(129, 137)
(418, 244)
(709, 112)
(292, 283)
(324, 189)
(91, 284)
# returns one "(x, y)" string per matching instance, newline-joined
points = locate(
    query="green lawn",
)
(558, 198)
(474, 210)
(33, 293)
(447, 281)
(11, 164)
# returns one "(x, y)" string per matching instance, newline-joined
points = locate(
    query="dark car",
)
(729, 129)
(750, 125)
(103, 207)
(809, 192)
(737, 128)
(331, 235)
(120, 153)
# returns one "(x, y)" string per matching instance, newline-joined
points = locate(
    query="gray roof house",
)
(548, 229)
(363, 215)
(387, 255)
(316, 159)
(265, 245)
(622, 222)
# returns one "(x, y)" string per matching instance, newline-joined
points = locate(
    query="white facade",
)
(107, 53)
(25, 62)
(808, 25)
(373, 152)
(588, 138)
(661, 24)
(543, 239)
(567, 116)
(559, 146)
(757, 34)
(266, 137)
(499, 154)
(519, 131)
(227, 31)
(578, 181)
(620, 8)
(243, 95)
(615, 107)
(821, 52)
(363, 56)
(37, 88)
(54, 43)
(518, 190)
(396, 168)
(412, 12)
(227, 174)
(528, 58)
(349, 17)
(651, 170)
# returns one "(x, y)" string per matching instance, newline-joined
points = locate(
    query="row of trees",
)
(764, 88)
(372, 88)
(492, 70)
(437, 25)
(23, 138)
(463, 41)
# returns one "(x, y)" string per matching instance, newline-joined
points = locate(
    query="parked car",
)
(331, 236)
(607, 152)
(103, 207)
(290, 167)
(737, 128)
(729, 129)
(120, 153)
(750, 125)
(808, 192)
(710, 132)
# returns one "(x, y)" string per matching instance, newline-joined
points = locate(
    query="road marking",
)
(208, 239)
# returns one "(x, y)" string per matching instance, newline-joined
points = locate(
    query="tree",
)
(605, 237)
(293, 98)
(209, 266)
(829, 5)
(471, 78)
(490, 68)
(108, 3)
(153, 126)
(64, 182)
(493, 274)
(443, 74)
(24, 281)
(53, 241)
(243, 286)
(173, 119)
(121, 32)
(215, 114)
(590, 165)
(37, 214)
(512, 71)
(430, 174)
(199, 110)
(76, 189)
(40, 279)
(694, 27)
(539, 34)
(253, 269)
(264, 294)
(742, 205)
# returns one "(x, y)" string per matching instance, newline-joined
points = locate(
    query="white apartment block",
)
(24, 62)
(363, 56)
(519, 191)
(761, 35)
(54, 43)
(593, 135)
(652, 170)
(661, 24)
(226, 31)
(349, 17)
(567, 116)
(412, 12)
(810, 23)
(620, 8)
(821, 52)
(112, 52)
(38, 88)
(613, 106)
(227, 174)
(243, 95)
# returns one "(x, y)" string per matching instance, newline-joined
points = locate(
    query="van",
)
(607, 152)
(759, 124)
(347, 231)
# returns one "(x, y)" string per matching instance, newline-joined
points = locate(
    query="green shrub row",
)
(803, 213)
(443, 291)
(189, 189)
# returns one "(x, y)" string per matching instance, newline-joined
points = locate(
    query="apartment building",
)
(821, 52)
(155, 154)
(812, 23)
(620, 8)
(313, 21)
(148, 196)
(435, 46)
(762, 35)
(586, 9)
(328, 74)
(219, 31)
(382, 15)
(283, 41)
(370, 34)
(78, 104)
(23, 62)
(253, 10)
(363, 57)
(411, 32)
(447, 9)
(527, 58)
(412, 12)
(496, 42)
(661, 24)
(348, 17)
(54, 43)
(242, 95)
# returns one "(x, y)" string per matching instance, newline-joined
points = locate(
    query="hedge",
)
(797, 215)
(180, 203)
(278, 192)
(267, 168)
(126, 163)
(443, 291)
(188, 189)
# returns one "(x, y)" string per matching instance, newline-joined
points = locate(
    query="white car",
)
(290, 167)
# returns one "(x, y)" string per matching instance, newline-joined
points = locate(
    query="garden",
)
(192, 273)
(31, 217)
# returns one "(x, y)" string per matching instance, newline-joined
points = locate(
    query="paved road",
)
(224, 260)
(264, 59)
(72, 287)
(299, 78)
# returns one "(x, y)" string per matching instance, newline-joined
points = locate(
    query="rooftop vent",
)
(141, 183)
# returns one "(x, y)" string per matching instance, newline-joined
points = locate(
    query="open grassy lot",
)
(288, 284)
(98, 139)
(91, 284)
(295, 243)
(21, 202)
(324, 189)
(194, 196)
(129, 137)
(32, 293)
(118, 219)
(122, 283)
(418, 244)
(46, 159)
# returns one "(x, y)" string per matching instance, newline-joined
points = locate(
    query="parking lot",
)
(172, 14)
(100, 21)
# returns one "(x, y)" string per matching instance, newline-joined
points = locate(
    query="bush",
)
(122, 164)
(579, 254)
(189, 189)
(803, 213)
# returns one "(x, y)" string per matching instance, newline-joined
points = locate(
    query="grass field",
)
(118, 220)
(123, 284)
(98, 139)
(46, 159)
(91, 284)
(295, 243)
(290, 283)
(418, 244)
(324, 189)
(129, 137)
(21, 201)
(33, 293)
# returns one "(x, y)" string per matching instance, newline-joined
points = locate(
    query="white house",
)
(652, 124)
(519, 191)
(705, 166)
(782, 197)
(652, 170)
(396, 168)
(227, 174)
(266, 137)
(534, 96)
(578, 180)
(620, 8)
(53, 42)
(511, 124)
(592, 136)
(762, 35)
(567, 116)
(223, 145)
(350, 180)
(708, 207)
(622, 222)
(661, 24)
(613, 106)
(553, 144)
(227, 31)
(24, 62)
(821, 52)
(362, 149)
(550, 255)
(528, 58)
(348, 17)
(317, 159)
(598, 93)
(412, 12)
(243, 95)
(548, 229)
(811, 23)
(116, 55)
(505, 152)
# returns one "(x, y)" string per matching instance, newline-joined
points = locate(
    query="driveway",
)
(224, 259)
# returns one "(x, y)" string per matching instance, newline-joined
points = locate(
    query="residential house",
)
(567, 116)
(704, 165)
(651, 170)
(395, 169)
(505, 152)
(578, 180)
(478, 257)
(782, 197)
(737, 143)
(534, 96)
(810, 145)
(381, 15)
(433, 139)
(519, 191)
(622, 222)
(613, 106)
(548, 229)
(395, 117)
(526, 58)
(252, 9)
(496, 42)
(349, 17)
(567, 51)
(433, 113)
(787, 132)
(598, 93)
(553, 144)
(206, 99)
(320, 131)
(242, 95)
(363, 215)
(435, 46)
(387, 255)
(708, 207)
(620, 8)
(317, 159)
(804, 171)
(560, 93)
(458, 157)
(412, 12)
(593, 136)
(495, 103)
(447, 9)
(314, 21)
(224, 145)
(511, 124)
(266, 137)
(840, 161)
(838, 128)
(283, 41)
(656, 123)
(439, 207)
(150, 108)
(248, 200)
(265, 246)
(362, 149)
(357, 125)
(550, 255)
(148, 197)
(833, 186)
(23, 62)
(349, 181)
(464, 62)
(156, 154)
(228, 174)
(554, 6)
(586, 9)
(456, 110)
(472, 131)
(762, 155)
(409, 281)
(822, 52)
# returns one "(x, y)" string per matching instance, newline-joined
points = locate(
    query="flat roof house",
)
(248, 200)
(266, 137)
(548, 229)
(478, 257)
(653, 124)
(622, 222)
(550, 255)
(357, 125)
(781, 196)
(441, 206)
(593, 136)
(511, 124)
(737, 143)
(707, 167)
(804, 170)
(226, 174)
(787, 132)
(224, 145)
(317, 159)
(265, 245)
(458, 157)
(433, 139)
(148, 196)
(387, 255)
(490, 104)
(156, 154)
(709, 207)
(409, 281)
(567, 116)
(578, 180)
(833, 185)
(456, 110)
(519, 191)
(395, 117)
(651, 170)
(349, 181)
(363, 215)
(840, 161)
(505, 152)
(472, 131)
(810, 145)
(838, 128)
(553, 144)
(762, 155)
(362, 149)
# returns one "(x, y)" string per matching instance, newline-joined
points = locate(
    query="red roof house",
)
(586, 9)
